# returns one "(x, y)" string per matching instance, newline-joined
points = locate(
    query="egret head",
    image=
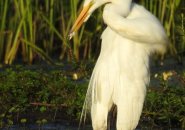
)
(89, 7)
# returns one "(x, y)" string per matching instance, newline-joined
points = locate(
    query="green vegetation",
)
(39, 91)
(48, 92)
(29, 29)
(165, 104)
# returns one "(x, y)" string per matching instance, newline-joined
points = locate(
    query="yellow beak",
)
(79, 21)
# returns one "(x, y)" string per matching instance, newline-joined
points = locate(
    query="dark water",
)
(70, 127)
(47, 127)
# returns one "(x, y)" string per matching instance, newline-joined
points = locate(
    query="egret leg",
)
(129, 112)
(99, 113)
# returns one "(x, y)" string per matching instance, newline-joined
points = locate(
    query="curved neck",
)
(123, 6)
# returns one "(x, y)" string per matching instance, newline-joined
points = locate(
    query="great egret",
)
(121, 73)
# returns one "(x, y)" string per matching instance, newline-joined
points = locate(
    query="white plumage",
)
(121, 73)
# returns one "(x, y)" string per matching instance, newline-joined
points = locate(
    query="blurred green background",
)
(38, 29)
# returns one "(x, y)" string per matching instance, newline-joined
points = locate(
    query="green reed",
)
(29, 28)
(3, 33)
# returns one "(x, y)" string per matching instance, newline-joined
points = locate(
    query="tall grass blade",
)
(13, 51)
(3, 17)
(39, 51)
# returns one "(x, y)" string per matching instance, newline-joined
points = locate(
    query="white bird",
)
(121, 73)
